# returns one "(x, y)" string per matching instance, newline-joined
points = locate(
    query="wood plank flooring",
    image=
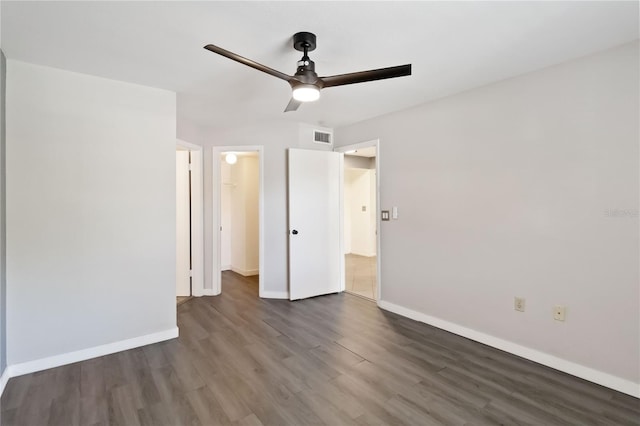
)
(332, 360)
(182, 299)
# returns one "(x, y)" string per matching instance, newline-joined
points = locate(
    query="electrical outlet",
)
(518, 304)
(559, 312)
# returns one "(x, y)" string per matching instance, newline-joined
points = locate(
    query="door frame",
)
(216, 180)
(197, 216)
(375, 143)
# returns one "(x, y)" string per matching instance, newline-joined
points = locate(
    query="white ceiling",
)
(453, 46)
(363, 152)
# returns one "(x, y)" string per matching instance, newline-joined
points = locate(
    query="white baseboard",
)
(587, 373)
(225, 268)
(84, 354)
(4, 378)
(274, 295)
(245, 272)
(209, 292)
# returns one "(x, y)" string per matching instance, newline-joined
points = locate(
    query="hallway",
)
(360, 276)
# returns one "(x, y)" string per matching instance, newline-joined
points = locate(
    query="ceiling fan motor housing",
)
(306, 71)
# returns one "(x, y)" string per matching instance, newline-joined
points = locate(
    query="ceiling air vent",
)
(321, 137)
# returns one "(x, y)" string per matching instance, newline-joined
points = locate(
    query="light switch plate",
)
(384, 215)
(394, 212)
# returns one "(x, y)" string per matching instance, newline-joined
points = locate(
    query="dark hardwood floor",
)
(333, 360)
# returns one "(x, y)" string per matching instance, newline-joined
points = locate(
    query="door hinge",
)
(190, 167)
(191, 272)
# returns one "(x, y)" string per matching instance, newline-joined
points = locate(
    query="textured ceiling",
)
(453, 46)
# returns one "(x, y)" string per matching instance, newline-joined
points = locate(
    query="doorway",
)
(238, 247)
(239, 216)
(189, 222)
(361, 220)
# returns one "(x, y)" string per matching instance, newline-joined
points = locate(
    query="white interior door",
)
(315, 225)
(183, 232)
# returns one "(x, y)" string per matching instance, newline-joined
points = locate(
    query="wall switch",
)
(384, 215)
(518, 304)
(364, 208)
(559, 312)
(394, 212)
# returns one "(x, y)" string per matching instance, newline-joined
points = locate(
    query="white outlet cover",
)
(559, 312)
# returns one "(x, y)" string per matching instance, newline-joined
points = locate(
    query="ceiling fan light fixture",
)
(306, 93)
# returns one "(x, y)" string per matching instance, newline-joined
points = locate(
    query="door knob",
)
(294, 232)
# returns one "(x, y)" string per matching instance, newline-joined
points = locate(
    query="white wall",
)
(511, 190)
(276, 137)
(360, 225)
(243, 208)
(356, 162)
(90, 211)
(250, 183)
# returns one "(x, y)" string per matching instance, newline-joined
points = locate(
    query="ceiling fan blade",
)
(247, 62)
(364, 76)
(292, 105)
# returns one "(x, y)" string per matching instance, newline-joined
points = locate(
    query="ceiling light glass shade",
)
(306, 93)
(231, 158)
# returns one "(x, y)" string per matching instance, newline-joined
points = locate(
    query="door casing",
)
(183, 225)
(216, 180)
(197, 216)
(375, 143)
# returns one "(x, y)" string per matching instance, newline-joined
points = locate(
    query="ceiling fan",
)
(305, 83)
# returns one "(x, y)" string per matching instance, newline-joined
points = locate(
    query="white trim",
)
(245, 272)
(343, 149)
(275, 295)
(216, 280)
(343, 273)
(209, 292)
(197, 216)
(84, 354)
(197, 222)
(4, 379)
(188, 145)
(587, 373)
